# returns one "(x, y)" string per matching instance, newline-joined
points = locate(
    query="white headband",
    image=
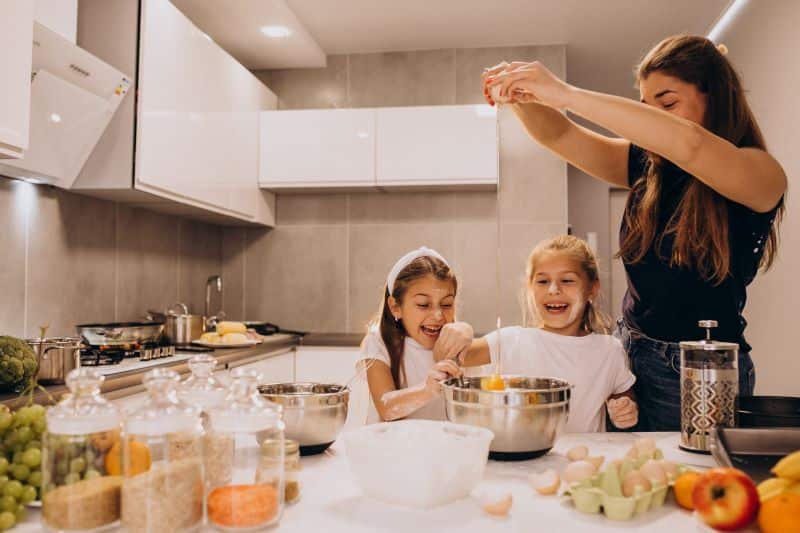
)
(406, 260)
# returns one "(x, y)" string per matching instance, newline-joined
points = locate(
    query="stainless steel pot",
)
(180, 328)
(314, 413)
(526, 418)
(60, 355)
(120, 333)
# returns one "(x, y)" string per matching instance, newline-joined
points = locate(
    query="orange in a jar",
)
(242, 505)
(138, 458)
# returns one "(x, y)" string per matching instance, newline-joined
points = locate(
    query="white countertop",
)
(331, 502)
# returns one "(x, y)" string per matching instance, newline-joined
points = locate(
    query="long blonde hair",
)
(594, 319)
(392, 331)
(700, 222)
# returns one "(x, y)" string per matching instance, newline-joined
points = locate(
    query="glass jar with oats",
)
(162, 489)
(251, 497)
(81, 478)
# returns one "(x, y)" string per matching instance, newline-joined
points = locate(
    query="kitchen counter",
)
(332, 339)
(330, 500)
(126, 377)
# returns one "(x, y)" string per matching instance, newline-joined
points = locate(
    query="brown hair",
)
(699, 224)
(392, 331)
(594, 320)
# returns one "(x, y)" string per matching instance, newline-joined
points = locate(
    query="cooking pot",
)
(180, 327)
(59, 355)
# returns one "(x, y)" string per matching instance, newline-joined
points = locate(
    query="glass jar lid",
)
(708, 344)
(244, 410)
(273, 447)
(163, 412)
(83, 411)
(201, 388)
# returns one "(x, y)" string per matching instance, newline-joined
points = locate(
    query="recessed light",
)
(55, 117)
(276, 32)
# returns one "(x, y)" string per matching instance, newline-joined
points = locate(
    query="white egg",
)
(495, 92)
(578, 471)
(496, 504)
(596, 461)
(545, 482)
(653, 471)
(576, 453)
(670, 468)
(632, 480)
(645, 446)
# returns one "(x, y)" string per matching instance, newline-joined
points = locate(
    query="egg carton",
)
(603, 491)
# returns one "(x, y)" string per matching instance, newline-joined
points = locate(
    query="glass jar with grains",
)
(81, 475)
(271, 454)
(249, 498)
(162, 460)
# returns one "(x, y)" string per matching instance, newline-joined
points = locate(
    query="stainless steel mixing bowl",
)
(314, 413)
(526, 418)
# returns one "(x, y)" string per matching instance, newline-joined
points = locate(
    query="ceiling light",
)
(55, 117)
(276, 32)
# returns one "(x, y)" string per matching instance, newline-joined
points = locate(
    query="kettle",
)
(709, 387)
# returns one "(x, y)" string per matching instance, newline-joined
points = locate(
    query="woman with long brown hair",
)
(706, 198)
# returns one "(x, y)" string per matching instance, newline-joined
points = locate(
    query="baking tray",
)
(753, 450)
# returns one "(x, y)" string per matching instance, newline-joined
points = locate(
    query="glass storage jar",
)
(271, 452)
(244, 492)
(81, 475)
(162, 460)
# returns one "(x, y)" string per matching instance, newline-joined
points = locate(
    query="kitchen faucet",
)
(213, 281)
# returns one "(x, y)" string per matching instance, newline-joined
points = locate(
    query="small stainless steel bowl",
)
(526, 418)
(314, 413)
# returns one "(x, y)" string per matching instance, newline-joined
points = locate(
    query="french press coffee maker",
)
(709, 387)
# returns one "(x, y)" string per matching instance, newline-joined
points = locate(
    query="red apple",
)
(725, 498)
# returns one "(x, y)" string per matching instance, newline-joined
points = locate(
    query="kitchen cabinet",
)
(437, 146)
(16, 45)
(432, 146)
(317, 148)
(335, 365)
(278, 368)
(189, 144)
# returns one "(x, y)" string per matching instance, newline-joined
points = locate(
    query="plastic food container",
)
(451, 461)
(603, 491)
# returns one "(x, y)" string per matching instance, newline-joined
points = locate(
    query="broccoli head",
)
(17, 362)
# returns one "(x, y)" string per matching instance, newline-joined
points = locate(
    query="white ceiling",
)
(604, 38)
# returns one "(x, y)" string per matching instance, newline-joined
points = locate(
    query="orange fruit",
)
(780, 514)
(138, 458)
(683, 488)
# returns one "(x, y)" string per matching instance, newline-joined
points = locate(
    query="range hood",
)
(73, 97)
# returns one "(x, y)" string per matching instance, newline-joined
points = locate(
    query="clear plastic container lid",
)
(83, 411)
(201, 388)
(244, 410)
(163, 412)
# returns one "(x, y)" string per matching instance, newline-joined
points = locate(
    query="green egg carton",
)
(603, 491)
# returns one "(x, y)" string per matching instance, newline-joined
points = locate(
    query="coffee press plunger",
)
(709, 387)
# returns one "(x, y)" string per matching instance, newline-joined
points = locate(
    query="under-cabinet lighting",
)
(726, 19)
(276, 32)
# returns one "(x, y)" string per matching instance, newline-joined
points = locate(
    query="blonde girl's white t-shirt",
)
(595, 365)
(417, 361)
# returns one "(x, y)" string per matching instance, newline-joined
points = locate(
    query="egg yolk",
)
(493, 382)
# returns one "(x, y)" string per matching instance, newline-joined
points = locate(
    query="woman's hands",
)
(623, 411)
(454, 340)
(520, 82)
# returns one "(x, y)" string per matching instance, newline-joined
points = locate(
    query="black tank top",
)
(664, 301)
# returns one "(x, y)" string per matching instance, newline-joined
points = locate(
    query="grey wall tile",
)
(71, 267)
(402, 78)
(470, 63)
(374, 248)
(311, 209)
(312, 88)
(475, 261)
(200, 256)
(393, 207)
(233, 261)
(474, 206)
(147, 262)
(297, 277)
(15, 198)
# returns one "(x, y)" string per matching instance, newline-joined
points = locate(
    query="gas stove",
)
(112, 355)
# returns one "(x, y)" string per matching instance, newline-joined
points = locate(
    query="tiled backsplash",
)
(69, 259)
(322, 268)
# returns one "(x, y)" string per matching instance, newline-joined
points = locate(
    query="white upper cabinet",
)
(317, 148)
(437, 145)
(198, 127)
(16, 45)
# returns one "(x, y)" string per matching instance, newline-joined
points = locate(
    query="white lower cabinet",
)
(274, 369)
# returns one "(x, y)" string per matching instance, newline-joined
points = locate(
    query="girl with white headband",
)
(418, 305)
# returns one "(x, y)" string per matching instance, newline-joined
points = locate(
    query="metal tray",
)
(754, 450)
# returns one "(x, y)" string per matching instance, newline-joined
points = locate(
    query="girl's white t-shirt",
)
(595, 365)
(417, 361)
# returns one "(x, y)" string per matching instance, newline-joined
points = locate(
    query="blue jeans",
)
(657, 367)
